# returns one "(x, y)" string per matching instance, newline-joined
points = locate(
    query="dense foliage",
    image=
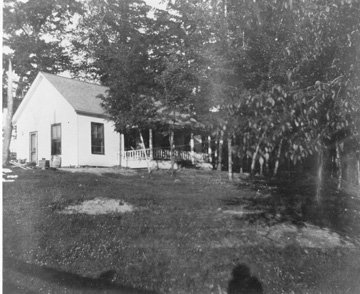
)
(280, 78)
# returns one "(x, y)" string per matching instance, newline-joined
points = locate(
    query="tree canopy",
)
(275, 74)
(35, 31)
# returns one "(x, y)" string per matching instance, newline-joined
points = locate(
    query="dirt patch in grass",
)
(99, 206)
(241, 211)
(284, 233)
(308, 236)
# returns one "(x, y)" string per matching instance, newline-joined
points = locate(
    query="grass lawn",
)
(186, 235)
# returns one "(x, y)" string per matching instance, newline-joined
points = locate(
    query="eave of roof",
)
(79, 112)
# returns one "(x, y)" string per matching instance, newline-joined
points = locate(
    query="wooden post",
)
(151, 143)
(209, 149)
(192, 145)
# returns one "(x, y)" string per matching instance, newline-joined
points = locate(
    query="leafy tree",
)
(180, 68)
(113, 39)
(34, 32)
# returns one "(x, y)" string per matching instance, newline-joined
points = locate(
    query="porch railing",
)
(137, 154)
(164, 154)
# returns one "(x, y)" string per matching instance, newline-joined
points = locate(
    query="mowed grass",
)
(178, 239)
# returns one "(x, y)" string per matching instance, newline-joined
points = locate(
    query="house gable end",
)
(27, 97)
(40, 78)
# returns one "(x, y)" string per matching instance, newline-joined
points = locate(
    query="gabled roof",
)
(82, 96)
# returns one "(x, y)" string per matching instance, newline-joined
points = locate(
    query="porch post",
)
(122, 150)
(151, 143)
(192, 148)
(209, 149)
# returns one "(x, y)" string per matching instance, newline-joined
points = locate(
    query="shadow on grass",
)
(103, 284)
(242, 282)
(294, 201)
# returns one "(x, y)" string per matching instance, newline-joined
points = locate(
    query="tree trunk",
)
(267, 168)
(319, 175)
(358, 170)
(146, 157)
(151, 143)
(221, 143)
(253, 161)
(278, 155)
(172, 157)
(230, 159)
(243, 154)
(8, 121)
(333, 169)
(192, 146)
(216, 151)
(338, 166)
(261, 161)
(209, 149)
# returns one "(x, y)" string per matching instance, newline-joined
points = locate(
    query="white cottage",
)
(61, 120)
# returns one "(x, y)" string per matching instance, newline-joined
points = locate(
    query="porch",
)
(159, 156)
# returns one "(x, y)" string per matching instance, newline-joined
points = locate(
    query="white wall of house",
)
(111, 155)
(47, 107)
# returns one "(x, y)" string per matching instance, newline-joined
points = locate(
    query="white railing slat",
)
(163, 154)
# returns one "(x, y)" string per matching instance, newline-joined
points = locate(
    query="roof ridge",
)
(73, 79)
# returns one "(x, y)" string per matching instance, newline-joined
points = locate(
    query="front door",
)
(33, 147)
